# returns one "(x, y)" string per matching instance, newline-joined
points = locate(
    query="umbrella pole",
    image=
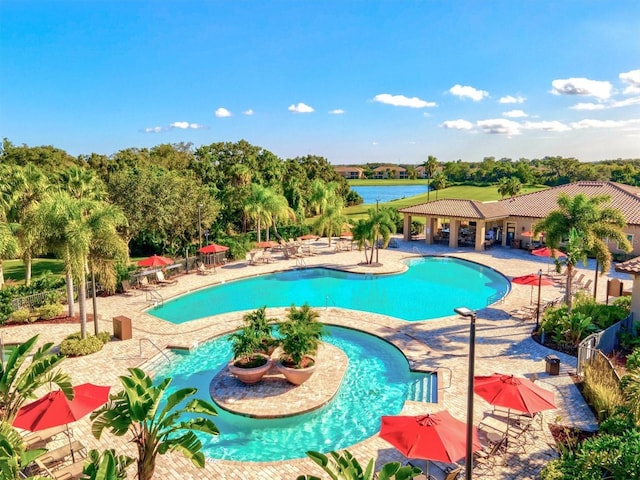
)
(73, 457)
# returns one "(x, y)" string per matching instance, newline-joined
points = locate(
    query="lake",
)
(388, 193)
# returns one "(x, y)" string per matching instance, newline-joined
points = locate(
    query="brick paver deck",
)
(503, 345)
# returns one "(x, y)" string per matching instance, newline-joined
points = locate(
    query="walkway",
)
(503, 345)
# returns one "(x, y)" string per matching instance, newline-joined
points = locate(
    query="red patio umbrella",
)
(213, 248)
(56, 409)
(267, 244)
(547, 252)
(513, 392)
(535, 280)
(155, 261)
(439, 436)
(308, 236)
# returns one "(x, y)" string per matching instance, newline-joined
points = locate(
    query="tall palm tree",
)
(83, 183)
(80, 230)
(376, 229)
(20, 194)
(156, 421)
(593, 222)
(255, 206)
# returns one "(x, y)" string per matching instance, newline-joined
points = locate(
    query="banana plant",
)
(13, 457)
(106, 465)
(344, 466)
(158, 425)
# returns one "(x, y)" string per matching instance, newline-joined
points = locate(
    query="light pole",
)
(206, 236)
(538, 306)
(199, 227)
(470, 314)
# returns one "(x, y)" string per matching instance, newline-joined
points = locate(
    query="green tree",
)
(375, 231)
(8, 246)
(430, 167)
(156, 423)
(593, 223)
(509, 186)
(24, 373)
(23, 189)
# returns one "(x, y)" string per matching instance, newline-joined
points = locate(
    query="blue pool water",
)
(431, 288)
(375, 384)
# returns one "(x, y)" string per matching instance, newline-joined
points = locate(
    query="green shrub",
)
(105, 337)
(601, 388)
(74, 346)
(633, 360)
(21, 316)
(623, 302)
(629, 341)
(618, 423)
(49, 310)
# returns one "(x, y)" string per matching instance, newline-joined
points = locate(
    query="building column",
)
(428, 230)
(454, 227)
(480, 233)
(406, 228)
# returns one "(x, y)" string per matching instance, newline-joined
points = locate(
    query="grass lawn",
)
(14, 269)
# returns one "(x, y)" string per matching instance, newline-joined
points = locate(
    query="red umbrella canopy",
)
(267, 244)
(513, 392)
(155, 261)
(213, 248)
(534, 279)
(308, 236)
(548, 252)
(56, 409)
(438, 436)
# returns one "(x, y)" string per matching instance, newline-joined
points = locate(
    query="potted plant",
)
(300, 337)
(248, 364)
(262, 327)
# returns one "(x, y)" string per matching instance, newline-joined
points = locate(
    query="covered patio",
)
(459, 223)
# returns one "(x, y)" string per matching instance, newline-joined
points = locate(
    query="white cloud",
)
(175, 125)
(515, 114)
(300, 108)
(591, 123)
(336, 111)
(510, 99)
(499, 126)
(602, 106)
(582, 86)
(548, 126)
(468, 92)
(248, 112)
(402, 101)
(457, 124)
(632, 79)
(222, 112)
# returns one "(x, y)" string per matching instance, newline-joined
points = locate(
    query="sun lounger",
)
(40, 438)
(164, 281)
(127, 289)
(202, 270)
(145, 285)
(58, 455)
(68, 472)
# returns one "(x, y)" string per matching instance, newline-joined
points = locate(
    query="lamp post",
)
(471, 315)
(538, 306)
(199, 227)
(206, 237)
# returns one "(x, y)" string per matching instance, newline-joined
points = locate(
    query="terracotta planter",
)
(296, 376)
(250, 375)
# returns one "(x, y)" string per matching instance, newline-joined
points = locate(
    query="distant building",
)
(350, 173)
(390, 171)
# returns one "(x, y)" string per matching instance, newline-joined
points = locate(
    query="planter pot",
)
(250, 375)
(297, 376)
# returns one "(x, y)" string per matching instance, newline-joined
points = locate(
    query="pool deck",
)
(503, 345)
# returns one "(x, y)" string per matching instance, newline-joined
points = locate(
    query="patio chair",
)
(523, 314)
(202, 270)
(164, 281)
(145, 285)
(40, 438)
(127, 289)
(487, 458)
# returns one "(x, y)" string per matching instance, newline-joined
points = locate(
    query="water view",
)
(388, 193)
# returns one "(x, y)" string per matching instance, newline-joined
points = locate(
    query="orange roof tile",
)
(539, 204)
(457, 208)
(630, 266)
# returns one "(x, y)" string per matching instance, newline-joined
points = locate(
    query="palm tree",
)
(430, 167)
(8, 247)
(592, 221)
(154, 421)
(19, 381)
(19, 197)
(81, 230)
(331, 221)
(83, 183)
(255, 206)
(376, 230)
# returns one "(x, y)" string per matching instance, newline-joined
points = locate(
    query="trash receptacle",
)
(122, 328)
(553, 365)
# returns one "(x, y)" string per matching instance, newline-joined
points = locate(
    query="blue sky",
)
(353, 81)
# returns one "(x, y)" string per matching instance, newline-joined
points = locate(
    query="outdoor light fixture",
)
(199, 227)
(538, 307)
(467, 313)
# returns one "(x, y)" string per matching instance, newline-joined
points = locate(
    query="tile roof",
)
(458, 208)
(630, 266)
(539, 204)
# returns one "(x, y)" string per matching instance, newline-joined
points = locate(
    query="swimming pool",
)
(431, 288)
(376, 383)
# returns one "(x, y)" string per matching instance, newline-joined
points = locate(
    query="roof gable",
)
(458, 208)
